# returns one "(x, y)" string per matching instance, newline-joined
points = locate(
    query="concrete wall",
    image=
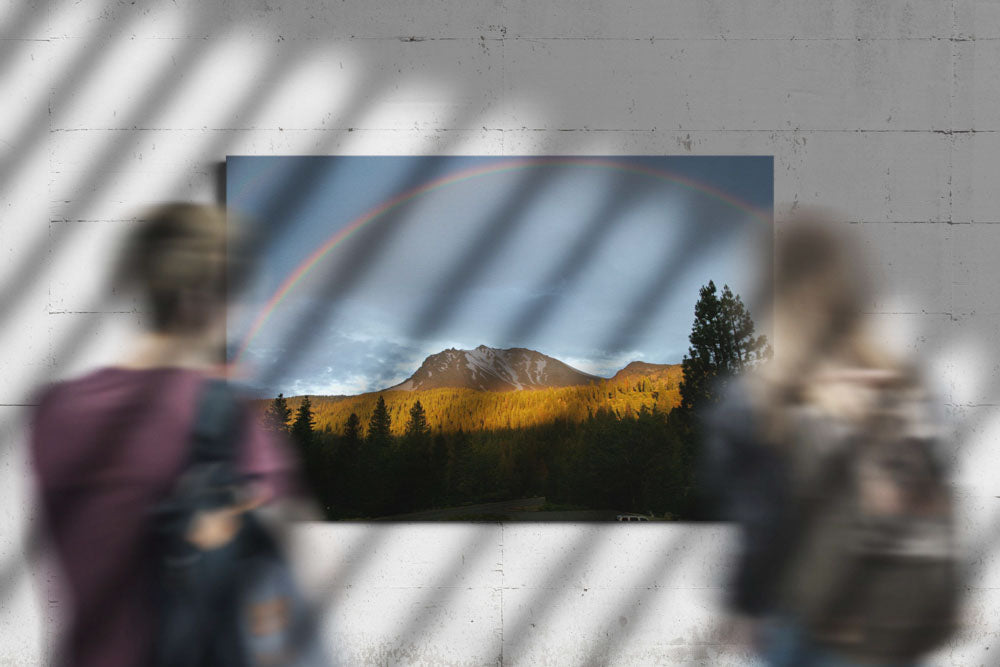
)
(888, 111)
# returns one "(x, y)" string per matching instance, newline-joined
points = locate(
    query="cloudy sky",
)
(595, 262)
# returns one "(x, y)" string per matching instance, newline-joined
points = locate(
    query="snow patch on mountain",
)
(539, 369)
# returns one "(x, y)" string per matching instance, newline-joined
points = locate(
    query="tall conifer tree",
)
(723, 344)
(416, 427)
(302, 428)
(277, 415)
(380, 424)
(352, 428)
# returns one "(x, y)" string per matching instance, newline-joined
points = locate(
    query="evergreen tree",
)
(377, 465)
(415, 477)
(314, 453)
(380, 424)
(302, 428)
(416, 427)
(349, 467)
(723, 344)
(352, 428)
(277, 415)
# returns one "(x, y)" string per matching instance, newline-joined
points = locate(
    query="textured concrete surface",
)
(888, 111)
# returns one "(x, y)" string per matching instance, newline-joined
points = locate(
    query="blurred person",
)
(111, 447)
(830, 460)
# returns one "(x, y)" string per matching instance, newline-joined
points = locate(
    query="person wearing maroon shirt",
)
(109, 446)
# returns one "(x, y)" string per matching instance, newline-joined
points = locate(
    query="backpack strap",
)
(216, 426)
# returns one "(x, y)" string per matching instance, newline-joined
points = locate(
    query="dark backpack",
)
(875, 571)
(236, 605)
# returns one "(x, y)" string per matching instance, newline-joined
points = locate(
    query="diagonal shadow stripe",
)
(569, 270)
(302, 186)
(87, 325)
(605, 652)
(71, 344)
(503, 224)
(115, 433)
(83, 330)
(79, 338)
(654, 296)
(156, 96)
(30, 14)
(442, 591)
(577, 555)
(338, 278)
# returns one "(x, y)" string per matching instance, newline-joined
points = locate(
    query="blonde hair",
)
(824, 354)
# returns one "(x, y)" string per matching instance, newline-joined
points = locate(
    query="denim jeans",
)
(786, 644)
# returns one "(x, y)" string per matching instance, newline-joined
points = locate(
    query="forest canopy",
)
(628, 444)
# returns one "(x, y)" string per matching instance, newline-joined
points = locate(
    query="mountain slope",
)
(653, 371)
(475, 390)
(490, 369)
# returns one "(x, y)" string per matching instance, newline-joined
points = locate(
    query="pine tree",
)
(302, 428)
(352, 428)
(277, 415)
(416, 427)
(723, 344)
(377, 464)
(380, 424)
(348, 468)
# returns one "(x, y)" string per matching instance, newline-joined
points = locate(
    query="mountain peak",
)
(640, 368)
(491, 369)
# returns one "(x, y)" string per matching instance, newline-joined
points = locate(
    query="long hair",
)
(824, 353)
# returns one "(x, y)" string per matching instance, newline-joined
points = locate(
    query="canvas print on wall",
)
(498, 338)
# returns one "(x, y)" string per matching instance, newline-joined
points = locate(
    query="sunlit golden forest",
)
(628, 444)
(451, 410)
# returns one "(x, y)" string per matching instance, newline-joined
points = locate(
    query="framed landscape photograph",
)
(499, 338)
